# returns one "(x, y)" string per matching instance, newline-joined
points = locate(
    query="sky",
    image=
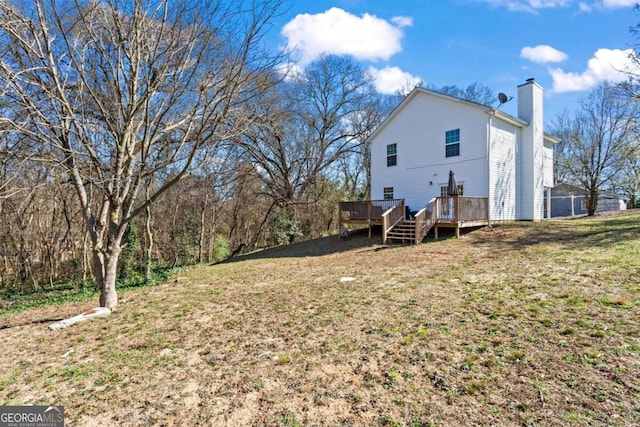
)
(568, 46)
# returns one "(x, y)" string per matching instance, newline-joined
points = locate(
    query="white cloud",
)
(389, 80)
(289, 69)
(607, 65)
(543, 4)
(543, 54)
(338, 32)
(606, 4)
(531, 6)
(402, 21)
(612, 4)
(584, 7)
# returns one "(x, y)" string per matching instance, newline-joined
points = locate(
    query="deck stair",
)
(404, 231)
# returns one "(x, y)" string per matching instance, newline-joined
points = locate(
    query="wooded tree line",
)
(146, 134)
(137, 134)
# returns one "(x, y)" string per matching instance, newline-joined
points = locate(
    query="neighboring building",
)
(568, 200)
(493, 154)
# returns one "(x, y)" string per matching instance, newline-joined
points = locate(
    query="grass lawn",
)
(522, 325)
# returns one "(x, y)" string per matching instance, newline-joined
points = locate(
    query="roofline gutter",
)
(494, 112)
(507, 118)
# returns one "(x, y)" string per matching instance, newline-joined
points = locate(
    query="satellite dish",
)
(503, 99)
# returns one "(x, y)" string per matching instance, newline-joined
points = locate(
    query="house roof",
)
(489, 110)
(551, 138)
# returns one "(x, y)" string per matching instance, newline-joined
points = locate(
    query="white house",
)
(509, 160)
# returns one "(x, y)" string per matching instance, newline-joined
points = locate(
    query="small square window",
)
(452, 150)
(452, 136)
(388, 193)
(392, 155)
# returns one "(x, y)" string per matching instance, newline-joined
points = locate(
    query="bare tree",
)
(114, 92)
(561, 126)
(632, 85)
(628, 182)
(356, 167)
(308, 124)
(475, 92)
(246, 207)
(597, 139)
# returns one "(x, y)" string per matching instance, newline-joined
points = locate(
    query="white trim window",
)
(452, 143)
(388, 193)
(392, 155)
(445, 188)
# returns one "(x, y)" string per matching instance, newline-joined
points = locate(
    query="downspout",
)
(548, 202)
(491, 113)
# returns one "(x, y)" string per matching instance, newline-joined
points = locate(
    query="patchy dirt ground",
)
(524, 324)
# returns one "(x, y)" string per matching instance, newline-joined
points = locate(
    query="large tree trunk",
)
(212, 234)
(149, 244)
(108, 293)
(203, 210)
(592, 202)
(105, 265)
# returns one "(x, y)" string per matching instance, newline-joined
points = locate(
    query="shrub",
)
(221, 249)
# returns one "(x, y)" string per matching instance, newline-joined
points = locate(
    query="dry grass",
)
(527, 324)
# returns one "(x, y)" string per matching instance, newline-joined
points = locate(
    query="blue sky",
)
(568, 46)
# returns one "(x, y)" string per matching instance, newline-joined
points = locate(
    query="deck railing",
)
(425, 219)
(455, 209)
(444, 211)
(391, 217)
(366, 210)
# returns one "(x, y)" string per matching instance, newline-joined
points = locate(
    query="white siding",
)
(513, 175)
(530, 153)
(419, 130)
(502, 188)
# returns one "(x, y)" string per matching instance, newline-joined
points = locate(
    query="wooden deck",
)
(461, 212)
(442, 212)
(367, 212)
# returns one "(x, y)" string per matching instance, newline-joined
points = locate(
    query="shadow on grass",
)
(570, 233)
(33, 322)
(316, 247)
(358, 239)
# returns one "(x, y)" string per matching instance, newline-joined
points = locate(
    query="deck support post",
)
(437, 214)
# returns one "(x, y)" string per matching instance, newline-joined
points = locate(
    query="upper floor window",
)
(392, 155)
(452, 143)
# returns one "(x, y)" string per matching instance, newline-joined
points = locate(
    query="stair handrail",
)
(390, 218)
(424, 220)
